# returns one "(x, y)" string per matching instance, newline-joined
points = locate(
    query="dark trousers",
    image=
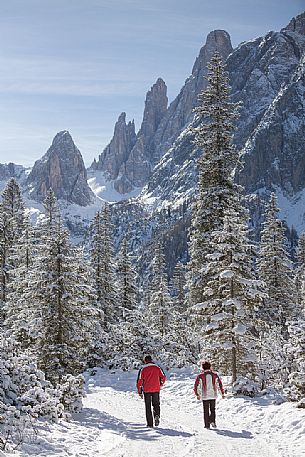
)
(152, 398)
(209, 412)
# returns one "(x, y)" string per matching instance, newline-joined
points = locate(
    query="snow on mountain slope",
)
(292, 209)
(112, 423)
(105, 190)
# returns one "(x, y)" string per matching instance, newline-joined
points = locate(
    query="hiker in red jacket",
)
(206, 385)
(150, 379)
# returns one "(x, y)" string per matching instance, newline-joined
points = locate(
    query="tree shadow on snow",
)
(93, 418)
(243, 434)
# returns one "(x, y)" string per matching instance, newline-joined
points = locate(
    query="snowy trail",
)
(113, 424)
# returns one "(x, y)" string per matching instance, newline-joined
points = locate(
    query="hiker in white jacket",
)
(206, 389)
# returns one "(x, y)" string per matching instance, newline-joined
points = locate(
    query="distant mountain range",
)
(156, 166)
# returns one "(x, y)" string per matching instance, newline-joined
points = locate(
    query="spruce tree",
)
(57, 318)
(178, 287)
(295, 351)
(275, 270)
(223, 293)
(232, 300)
(13, 207)
(11, 226)
(103, 265)
(96, 258)
(280, 303)
(18, 306)
(300, 272)
(160, 310)
(126, 281)
(67, 313)
(213, 134)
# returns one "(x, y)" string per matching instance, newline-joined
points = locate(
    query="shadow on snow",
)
(171, 432)
(243, 434)
(93, 418)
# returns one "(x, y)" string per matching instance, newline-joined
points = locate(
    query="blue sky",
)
(77, 64)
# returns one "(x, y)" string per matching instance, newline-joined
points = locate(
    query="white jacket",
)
(207, 384)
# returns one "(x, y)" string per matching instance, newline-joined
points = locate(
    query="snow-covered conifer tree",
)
(13, 207)
(280, 303)
(128, 335)
(213, 134)
(160, 300)
(224, 295)
(57, 312)
(65, 303)
(11, 225)
(232, 299)
(103, 264)
(178, 287)
(18, 306)
(51, 211)
(126, 281)
(300, 271)
(23, 318)
(96, 257)
(275, 270)
(295, 350)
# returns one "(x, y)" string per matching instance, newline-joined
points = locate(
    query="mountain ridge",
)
(267, 75)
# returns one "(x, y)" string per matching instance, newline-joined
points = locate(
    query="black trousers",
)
(209, 412)
(152, 399)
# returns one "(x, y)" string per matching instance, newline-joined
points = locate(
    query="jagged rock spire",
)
(128, 159)
(61, 169)
(119, 148)
(180, 111)
(137, 169)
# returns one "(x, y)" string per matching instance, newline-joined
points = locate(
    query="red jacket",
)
(150, 378)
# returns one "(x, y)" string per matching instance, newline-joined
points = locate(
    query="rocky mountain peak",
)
(62, 168)
(155, 108)
(180, 111)
(61, 138)
(137, 168)
(128, 158)
(217, 40)
(122, 118)
(297, 24)
(118, 150)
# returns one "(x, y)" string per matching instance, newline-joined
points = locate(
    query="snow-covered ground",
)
(112, 423)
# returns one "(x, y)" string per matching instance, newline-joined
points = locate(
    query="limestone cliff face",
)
(267, 76)
(129, 158)
(137, 168)
(118, 150)
(155, 108)
(62, 169)
(180, 111)
(274, 155)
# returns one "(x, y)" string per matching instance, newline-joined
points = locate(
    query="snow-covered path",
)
(113, 424)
